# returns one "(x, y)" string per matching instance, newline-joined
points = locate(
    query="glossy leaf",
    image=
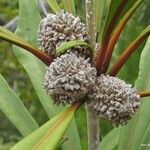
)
(35, 69)
(54, 5)
(49, 135)
(67, 45)
(14, 109)
(69, 6)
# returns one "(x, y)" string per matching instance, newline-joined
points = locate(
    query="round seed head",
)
(57, 28)
(69, 78)
(113, 99)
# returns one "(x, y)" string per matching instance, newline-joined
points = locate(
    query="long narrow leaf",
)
(55, 133)
(15, 39)
(15, 110)
(99, 10)
(116, 10)
(69, 6)
(49, 135)
(110, 26)
(137, 132)
(128, 52)
(117, 32)
(109, 30)
(109, 142)
(67, 45)
(54, 5)
(143, 120)
(28, 142)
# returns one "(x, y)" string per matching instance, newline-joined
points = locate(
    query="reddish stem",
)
(104, 44)
(44, 57)
(144, 93)
(117, 34)
(126, 54)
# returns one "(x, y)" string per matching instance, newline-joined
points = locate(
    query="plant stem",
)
(128, 52)
(116, 34)
(92, 119)
(144, 93)
(90, 22)
(106, 37)
(93, 129)
(17, 40)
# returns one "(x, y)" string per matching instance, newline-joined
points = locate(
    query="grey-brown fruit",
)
(60, 27)
(113, 99)
(69, 78)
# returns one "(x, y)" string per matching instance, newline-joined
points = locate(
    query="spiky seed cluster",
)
(58, 28)
(69, 78)
(113, 99)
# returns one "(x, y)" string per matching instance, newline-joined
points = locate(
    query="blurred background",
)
(18, 80)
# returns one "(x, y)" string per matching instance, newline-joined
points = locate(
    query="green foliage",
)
(54, 5)
(27, 28)
(113, 5)
(67, 45)
(14, 109)
(8, 9)
(100, 6)
(137, 25)
(137, 129)
(141, 121)
(136, 132)
(69, 6)
(52, 131)
(111, 140)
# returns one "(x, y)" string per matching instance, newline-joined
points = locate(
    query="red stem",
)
(126, 54)
(104, 44)
(44, 57)
(117, 34)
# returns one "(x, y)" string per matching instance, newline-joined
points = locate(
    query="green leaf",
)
(137, 131)
(15, 39)
(28, 26)
(54, 5)
(109, 142)
(117, 32)
(99, 9)
(129, 51)
(125, 40)
(69, 6)
(112, 9)
(67, 45)
(141, 124)
(50, 134)
(15, 110)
